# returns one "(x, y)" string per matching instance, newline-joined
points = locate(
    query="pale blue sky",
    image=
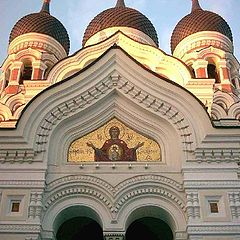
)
(76, 14)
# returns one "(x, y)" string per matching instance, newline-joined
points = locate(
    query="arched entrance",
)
(149, 228)
(80, 228)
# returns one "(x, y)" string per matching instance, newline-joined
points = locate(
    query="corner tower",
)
(36, 43)
(203, 40)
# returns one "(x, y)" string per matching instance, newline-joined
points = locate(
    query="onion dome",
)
(120, 16)
(197, 21)
(43, 23)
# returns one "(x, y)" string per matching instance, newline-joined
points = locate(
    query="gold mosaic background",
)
(80, 152)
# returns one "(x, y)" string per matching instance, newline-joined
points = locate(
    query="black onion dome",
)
(120, 16)
(43, 23)
(197, 21)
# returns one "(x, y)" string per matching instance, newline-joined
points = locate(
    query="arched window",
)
(26, 73)
(212, 73)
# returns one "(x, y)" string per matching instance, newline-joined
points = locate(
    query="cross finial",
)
(46, 6)
(120, 3)
(195, 5)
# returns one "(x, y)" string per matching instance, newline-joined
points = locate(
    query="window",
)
(214, 207)
(26, 73)
(15, 206)
(212, 73)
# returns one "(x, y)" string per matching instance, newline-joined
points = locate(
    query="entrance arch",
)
(149, 228)
(80, 228)
(164, 216)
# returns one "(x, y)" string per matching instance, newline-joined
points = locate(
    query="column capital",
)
(114, 235)
(181, 235)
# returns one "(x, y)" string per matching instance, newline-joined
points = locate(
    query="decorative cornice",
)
(17, 156)
(217, 155)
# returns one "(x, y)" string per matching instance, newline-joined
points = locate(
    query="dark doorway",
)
(149, 228)
(80, 228)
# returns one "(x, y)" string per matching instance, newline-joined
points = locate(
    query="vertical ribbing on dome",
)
(46, 6)
(120, 3)
(195, 5)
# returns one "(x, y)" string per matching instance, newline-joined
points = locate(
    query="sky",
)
(76, 15)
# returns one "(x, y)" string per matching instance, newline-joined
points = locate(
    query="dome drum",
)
(121, 16)
(42, 23)
(197, 21)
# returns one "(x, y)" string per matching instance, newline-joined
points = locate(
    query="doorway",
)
(149, 228)
(80, 228)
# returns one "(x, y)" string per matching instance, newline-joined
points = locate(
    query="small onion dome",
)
(43, 23)
(197, 21)
(120, 16)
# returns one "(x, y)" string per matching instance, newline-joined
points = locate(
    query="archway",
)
(80, 228)
(149, 228)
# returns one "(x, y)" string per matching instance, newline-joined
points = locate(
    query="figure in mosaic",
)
(115, 149)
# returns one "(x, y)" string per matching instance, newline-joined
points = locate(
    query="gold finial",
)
(120, 3)
(46, 6)
(195, 5)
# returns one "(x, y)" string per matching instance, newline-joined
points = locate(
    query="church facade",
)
(120, 140)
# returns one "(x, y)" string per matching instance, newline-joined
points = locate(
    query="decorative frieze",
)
(193, 206)
(234, 201)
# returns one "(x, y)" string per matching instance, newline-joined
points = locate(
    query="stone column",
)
(224, 73)
(38, 70)
(13, 85)
(200, 68)
(114, 235)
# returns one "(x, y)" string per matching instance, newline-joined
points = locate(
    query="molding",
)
(22, 183)
(19, 228)
(17, 156)
(37, 40)
(114, 198)
(194, 185)
(201, 40)
(223, 229)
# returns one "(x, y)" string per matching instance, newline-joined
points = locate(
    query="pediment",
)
(113, 86)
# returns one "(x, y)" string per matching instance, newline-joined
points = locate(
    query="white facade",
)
(195, 188)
